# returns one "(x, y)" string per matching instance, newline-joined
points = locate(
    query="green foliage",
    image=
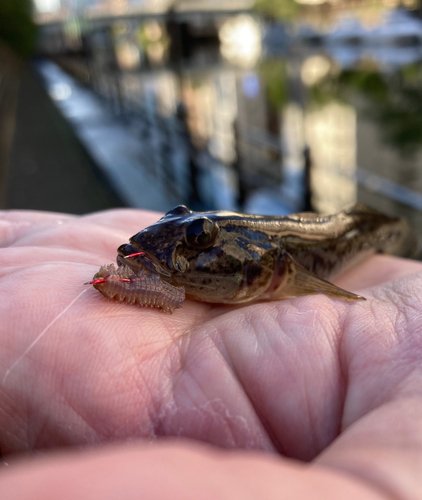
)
(391, 100)
(285, 10)
(17, 28)
(273, 73)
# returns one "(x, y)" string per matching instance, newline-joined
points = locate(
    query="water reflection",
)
(314, 69)
(237, 126)
(240, 39)
(390, 100)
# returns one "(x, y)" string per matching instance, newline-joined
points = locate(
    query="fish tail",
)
(390, 235)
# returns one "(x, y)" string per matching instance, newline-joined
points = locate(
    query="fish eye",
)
(201, 233)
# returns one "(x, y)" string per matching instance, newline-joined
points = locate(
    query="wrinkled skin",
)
(311, 379)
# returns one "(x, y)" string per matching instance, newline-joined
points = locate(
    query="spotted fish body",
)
(231, 258)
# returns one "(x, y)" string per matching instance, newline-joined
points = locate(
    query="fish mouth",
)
(126, 250)
(136, 259)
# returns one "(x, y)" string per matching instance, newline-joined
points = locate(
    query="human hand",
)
(309, 378)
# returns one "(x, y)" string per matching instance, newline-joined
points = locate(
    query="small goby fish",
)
(232, 258)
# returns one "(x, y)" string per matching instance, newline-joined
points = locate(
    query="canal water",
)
(254, 121)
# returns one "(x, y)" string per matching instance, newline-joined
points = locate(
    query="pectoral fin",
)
(299, 281)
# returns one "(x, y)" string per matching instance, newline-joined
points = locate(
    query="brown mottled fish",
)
(232, 258)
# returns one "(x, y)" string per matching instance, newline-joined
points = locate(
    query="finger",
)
(177, 471)
(381, 355)
(384, 448)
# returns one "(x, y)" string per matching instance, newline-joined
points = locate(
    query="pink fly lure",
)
(142, 288)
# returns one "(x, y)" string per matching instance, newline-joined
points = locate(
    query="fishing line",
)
(40, 336)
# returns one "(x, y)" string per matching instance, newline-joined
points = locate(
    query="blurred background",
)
(260, 106)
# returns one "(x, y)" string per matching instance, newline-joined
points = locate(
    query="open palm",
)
(309, 378)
